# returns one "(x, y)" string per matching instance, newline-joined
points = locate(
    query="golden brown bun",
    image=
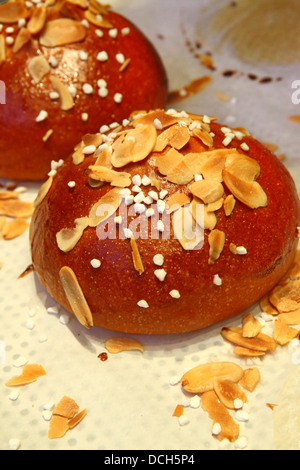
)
(112, 291)
(142, 83)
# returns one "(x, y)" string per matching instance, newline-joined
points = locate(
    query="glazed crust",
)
(113, 290)
(143, 85)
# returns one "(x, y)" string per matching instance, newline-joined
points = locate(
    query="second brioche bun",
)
(68, 69)
(155, 279)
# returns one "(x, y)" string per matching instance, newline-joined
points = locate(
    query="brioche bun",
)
(67, 70)
(157, 279)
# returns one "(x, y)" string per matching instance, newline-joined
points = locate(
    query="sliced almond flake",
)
(23, 38)
(207, 190)
(30, 373)
(251, 378)
(229, 204)
(283, 334)
(16, 208)
(77, 419)
(7, 194)
(37, 20)
(180, 174)
(219, 414)
(115, 178)
(290, 318)
(195, 161)
(2, 49)
(178, 411)
(76, 297)
(100, 22)
(204, 136)
(165, 163)
(78, 156)
(228, 391)
(266, 306)
(48, 134)
(67, 238)
(58, 427)
(261, 342)
(11, 12)
(200, 379)
(286, 298)
(176, 201)
(67, 408)
(177, 136)
(133, 145)
(38, 67)
(206, 219)
(43, 191)
(96, 7)
(109, 203)
(165, 119)
(2, 222)
(119, 344)
(61, 32)
(216, 240)
(66, 99)
(186, 230)
(247, 352)
(251, 326)
(137, 260)
(92, 139)
(214, 206)
(14, 228)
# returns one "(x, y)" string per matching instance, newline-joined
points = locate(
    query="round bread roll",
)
(169, 225)
(68, 68)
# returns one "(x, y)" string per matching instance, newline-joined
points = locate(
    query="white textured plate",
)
(129, 398)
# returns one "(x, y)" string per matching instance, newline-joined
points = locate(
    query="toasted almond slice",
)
(97, 21)
(22, 39)
(201, 378)
(16, 208)
(216, 240)
(249, 193)
(58, 427)
(204, 136)
(177, 136)
(178, 411)
(77, 419)
(67, 238)
(228, 391)
(61, 32)
(115, 178)
(11, 12)
(206, 219)
(166, 120)
(8, 195)
(214, 206)
(186, 230)
(133, 145)
(43, 191)
(14, 228)
(266, 306)
(116, 345)
(286, 298)
(261, 342)
(37, 20)
(283, 334)
(165, 163)
(137, 260)
(180, 174)
(76, 297)
(92, 139)
(66, 99)
(66, 408)
(246, 352)
(207, 190)
(176, 201)
(251, 378)
(242, 166)
(195, 161)
(38, 67)
(290, 318)
(30, 373)
(2, 49)
(229, 204)
(3, 220)
(219, 414)
(105, 207)
(251, 326)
